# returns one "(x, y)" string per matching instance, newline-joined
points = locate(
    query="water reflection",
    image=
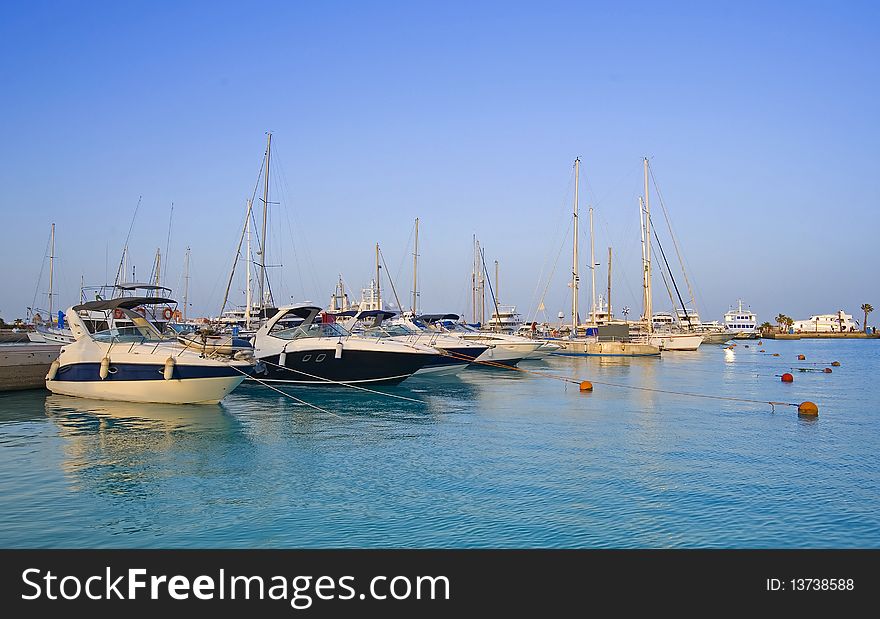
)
(118, 448)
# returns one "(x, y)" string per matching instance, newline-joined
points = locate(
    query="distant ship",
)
(741, 323)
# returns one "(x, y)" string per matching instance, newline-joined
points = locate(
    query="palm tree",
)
(765, 327)
(867, 308)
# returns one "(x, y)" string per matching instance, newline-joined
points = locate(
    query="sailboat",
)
(665, 340)
(591, 345)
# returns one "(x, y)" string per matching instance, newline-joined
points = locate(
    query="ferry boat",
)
(741, 322)
(826, 323)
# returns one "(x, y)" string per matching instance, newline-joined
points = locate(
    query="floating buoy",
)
(787, 378)
(338, 354)
(762, 350)
(808, 409)
(827, 370)
(835, 364)
(745, 345)
(586, 385)
(802, 358)
(105, 368)
(776, 354)
(53, 370)
(169, 368)
(759, 343)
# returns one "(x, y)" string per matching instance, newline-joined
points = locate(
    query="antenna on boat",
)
(185, 283)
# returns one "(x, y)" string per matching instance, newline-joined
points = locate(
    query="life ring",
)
(117, 314)
(167, 313)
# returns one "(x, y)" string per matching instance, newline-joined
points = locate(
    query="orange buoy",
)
(776, 354)
(808, 409)
(827, 370)
(762, 350)
(835, 364)
(802, 358)
(759, 343)
(787, 378)
(586, 385)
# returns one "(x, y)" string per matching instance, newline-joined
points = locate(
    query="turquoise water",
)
(491, 458)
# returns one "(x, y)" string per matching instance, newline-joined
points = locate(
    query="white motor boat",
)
(325, 353)
(137, 364)
(676, 341)
(454, 353)
(504, 349)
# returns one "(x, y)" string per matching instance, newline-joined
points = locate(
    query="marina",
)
(482, 459)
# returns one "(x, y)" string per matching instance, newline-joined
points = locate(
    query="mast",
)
(474, 282)
(497, 297)
(265, 218)
(185, 283)
(592, 272)
(608, 299)
(158, 265)
(482, 284)
(649, 309)
(415, 270)
(247, 293)
(574, 258)
(51, 274)
(378, 285)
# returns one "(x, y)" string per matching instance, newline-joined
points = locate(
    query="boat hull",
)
(607, 349)
(319, 366)
(677, 341)
(175, 391)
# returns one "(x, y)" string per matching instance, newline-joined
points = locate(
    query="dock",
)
(24, 366)
(822, 335)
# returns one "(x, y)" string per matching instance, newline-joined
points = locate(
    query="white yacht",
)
(136, 363)
(741, 322)
(503, 348)
(826, 323)
(323, 352)
(505, 319)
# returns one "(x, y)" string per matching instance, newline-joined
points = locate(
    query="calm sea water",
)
(489, 459)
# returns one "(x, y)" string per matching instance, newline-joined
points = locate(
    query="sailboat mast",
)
(51, 274)
(482, 284)
(592, 272)
(574, 258)
(649, 301)
(474, 282)
(265, 219)
(415, 270)
(608, 299)
(378, 285)
(247, 293)
(185, 283)
(158, 266)
(497, 296)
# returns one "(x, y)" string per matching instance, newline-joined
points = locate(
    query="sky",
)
(760, 121)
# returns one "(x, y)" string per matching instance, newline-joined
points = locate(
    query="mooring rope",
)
(284, 393)
(336, 382)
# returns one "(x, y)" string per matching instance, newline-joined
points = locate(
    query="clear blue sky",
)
(760, 119)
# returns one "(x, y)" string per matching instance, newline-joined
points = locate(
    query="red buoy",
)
(827, 370)
(802, 358)
(787, 378)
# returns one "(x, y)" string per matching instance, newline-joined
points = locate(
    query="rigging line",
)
(663, 253)
(285, 394)
(127, 237)
(549, 280)
(404, 254)
(343, 384)
(672, 234)
(559, 221)
(491, 292)
(388, 275)
(42, 268)
(496, 364)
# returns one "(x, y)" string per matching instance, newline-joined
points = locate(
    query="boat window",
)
(312, 330)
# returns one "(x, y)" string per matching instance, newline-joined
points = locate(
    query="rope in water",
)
(284, 393)
(496, 364)
(336, 382)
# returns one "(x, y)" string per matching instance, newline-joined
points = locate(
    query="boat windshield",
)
(138, 332)
(389, 331)
(313, 330)
(454, 327)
